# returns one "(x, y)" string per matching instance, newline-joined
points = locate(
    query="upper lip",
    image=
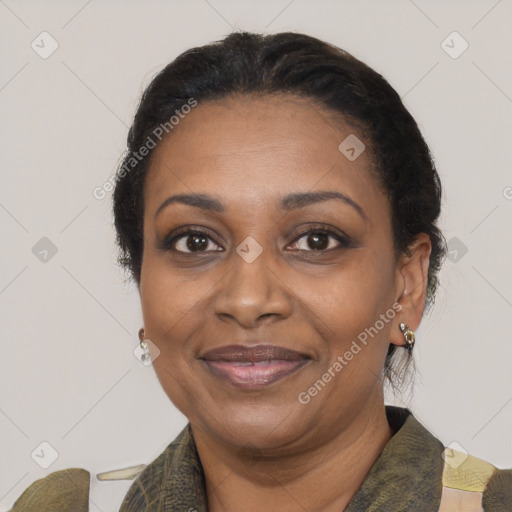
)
(253, 353)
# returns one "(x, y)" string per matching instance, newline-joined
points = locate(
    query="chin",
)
(260, 428)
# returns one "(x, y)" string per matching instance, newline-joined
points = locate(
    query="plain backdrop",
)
(70, 317)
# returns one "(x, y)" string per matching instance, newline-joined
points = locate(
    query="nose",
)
(253, 292)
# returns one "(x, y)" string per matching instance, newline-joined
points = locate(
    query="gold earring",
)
(408, 336)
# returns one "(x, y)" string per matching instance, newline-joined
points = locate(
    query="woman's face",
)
(274, 264)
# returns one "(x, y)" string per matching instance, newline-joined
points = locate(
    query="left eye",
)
(318, 240)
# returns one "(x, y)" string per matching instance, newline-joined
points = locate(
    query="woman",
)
(277, 208)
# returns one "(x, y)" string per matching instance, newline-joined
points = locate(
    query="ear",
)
(411, 286)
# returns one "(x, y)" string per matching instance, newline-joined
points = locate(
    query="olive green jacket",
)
(414, 473)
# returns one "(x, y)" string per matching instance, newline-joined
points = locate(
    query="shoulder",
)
(60, 491)
(471, 484)
(460, 482)
(70, 490)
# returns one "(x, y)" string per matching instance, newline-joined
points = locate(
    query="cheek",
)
(169, 303)
(355, 320)
(171, 310)
(356, 337)
(354, 297)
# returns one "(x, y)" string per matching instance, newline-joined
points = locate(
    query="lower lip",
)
(251, 376)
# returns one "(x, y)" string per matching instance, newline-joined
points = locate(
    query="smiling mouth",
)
(253, 367)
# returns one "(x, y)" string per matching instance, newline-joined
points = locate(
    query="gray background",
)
(69, 322)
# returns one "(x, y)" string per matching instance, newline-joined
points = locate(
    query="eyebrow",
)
(289, 202)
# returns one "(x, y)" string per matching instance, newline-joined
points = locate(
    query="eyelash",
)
(344, 241)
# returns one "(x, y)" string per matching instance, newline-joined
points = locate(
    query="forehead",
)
(247, 146)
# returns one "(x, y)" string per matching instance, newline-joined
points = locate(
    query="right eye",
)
(189, 241)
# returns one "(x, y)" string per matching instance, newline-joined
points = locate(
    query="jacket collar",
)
(408, 473)
(406, 476)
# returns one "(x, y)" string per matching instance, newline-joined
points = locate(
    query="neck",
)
(325, 478)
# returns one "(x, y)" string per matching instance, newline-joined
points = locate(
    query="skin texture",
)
(263, 449)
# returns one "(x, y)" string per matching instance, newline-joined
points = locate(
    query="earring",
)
(408, 336)
(145, 357)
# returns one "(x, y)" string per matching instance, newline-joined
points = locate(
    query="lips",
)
(254, 366)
